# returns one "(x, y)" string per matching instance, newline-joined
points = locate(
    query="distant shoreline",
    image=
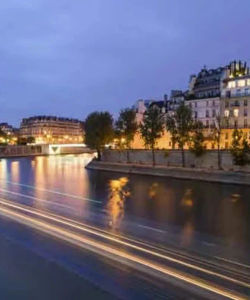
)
(218, 176)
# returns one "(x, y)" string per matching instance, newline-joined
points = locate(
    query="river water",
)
(188, 211)
(203, 218)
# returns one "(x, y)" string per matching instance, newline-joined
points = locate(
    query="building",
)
(8, 134)
(205, 110)
(7, 129)
(52, 130)
(223, 92)
(176, 98)
(140, 107)
(235, 96)
(207, 84)
(237, 81)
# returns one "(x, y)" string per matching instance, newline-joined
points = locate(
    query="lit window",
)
(231, 84)
(226, 113)
(241, 82)
(248, 81)
(236, 112)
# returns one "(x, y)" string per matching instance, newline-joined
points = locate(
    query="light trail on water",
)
(84, 242)
(51, 191)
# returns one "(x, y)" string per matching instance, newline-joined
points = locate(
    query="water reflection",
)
(64, 174)
(183, 207)
(187, 203)
(153, 190)
(118, 193)
(187, 200)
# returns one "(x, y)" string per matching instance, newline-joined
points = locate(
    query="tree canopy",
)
(126, 126)
(240, 148)
(152, 128)
(180, 125)
(98, 130)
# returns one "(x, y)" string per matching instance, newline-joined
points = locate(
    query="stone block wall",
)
(172, 158)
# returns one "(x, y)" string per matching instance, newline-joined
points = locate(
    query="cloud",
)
(70, 57)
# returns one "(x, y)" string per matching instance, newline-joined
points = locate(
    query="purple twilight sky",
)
(69, 58)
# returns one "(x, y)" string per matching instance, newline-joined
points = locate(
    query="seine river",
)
(197, 216)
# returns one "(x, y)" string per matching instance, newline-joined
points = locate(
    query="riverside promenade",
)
(219, 176)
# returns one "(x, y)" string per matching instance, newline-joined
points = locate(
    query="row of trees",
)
(184, 130)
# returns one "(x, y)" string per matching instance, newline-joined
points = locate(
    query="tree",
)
(126, 128)
(197, 139)
(240, 148)
(216, 136)
(31, 140)
(3, 137)
(152, 128)
(99, 131)
(171, 127)
(180, 125)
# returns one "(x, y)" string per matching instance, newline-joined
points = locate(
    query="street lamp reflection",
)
(118, 193)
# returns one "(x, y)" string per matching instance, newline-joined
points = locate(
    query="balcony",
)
(239, 95)
(235, 104)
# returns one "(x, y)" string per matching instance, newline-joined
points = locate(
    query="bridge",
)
(54, 149)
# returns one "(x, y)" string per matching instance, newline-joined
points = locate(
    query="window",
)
(245, 123)
(207, 113)
(231, 84)
(247, 91)
(245, 112)
(238, 92)
(207, 124)
(226, 113)
(241, 82)
(226, 145)
(195, 104)
(245, 102)
(207, 103)
(214, 113)
(235, 124)
(227, 104)
(248, 81)
(196, 114)
(213, 103)
(226, 136)
(236, 112)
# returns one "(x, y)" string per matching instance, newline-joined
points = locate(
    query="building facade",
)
(235, 96)
(52, 130)
(222, 93)
(207, 84)
(205, 110)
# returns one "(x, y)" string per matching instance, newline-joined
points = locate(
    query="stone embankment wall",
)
(10, 151)
(172, 158)
(27, 150)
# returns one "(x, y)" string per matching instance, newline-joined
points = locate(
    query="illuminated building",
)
(7, 129)
(52, 130)
(235, 96)
(9, 133)
(223, 92)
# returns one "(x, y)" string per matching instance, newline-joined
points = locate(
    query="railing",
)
(236, 95)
